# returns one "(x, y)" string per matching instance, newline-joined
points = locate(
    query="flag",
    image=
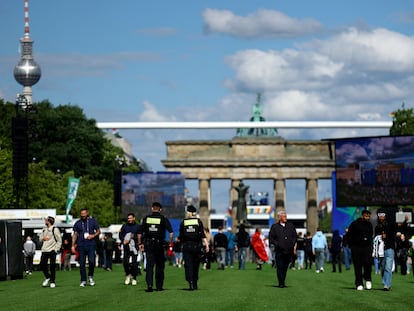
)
(73, 186)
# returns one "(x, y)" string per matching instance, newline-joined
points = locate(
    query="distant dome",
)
(27, 72)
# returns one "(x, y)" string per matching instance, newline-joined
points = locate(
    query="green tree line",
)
(62, 143)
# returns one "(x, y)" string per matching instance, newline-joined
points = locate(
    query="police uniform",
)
(153, 229)
(192, 235)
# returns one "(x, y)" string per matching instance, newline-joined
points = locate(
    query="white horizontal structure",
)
(235, 125)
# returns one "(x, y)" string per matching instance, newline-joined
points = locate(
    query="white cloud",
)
(354, 75)
(151, 114)
(274, 70)
(259, 24)
(376, 50)
(295, 105)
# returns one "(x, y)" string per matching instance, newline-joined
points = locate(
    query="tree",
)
(403, 121)
(6, 180)
(97, 197)
(62, 143)
(67, 140)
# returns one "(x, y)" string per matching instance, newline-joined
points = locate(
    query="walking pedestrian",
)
(152, 235)
(193, 238)
(319, 247)
(52, 241)
(360, 234)
(129, 237)
(29, 250)
(283, 237)
(85, 233)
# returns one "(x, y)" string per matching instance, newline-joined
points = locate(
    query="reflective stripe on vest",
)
(190, 222)
(153, 221)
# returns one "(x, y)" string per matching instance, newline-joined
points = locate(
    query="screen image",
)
(374, 171)
(140, 190)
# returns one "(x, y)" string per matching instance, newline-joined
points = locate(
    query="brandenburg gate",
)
(249, 157)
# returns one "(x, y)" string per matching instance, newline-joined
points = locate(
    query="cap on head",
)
(191, 209)
(366, 212)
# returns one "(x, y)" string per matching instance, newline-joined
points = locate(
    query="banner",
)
(73, 186)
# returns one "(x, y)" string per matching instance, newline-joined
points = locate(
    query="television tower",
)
(27, 72)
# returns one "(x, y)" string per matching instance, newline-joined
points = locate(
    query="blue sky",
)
(205, 60)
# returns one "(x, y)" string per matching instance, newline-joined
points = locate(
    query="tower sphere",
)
(27, 72)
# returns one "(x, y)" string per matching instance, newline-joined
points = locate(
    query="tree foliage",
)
(6, 180)
(62, 143)
(403, 122)
(67, 141)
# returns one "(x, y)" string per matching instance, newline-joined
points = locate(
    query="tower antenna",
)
(27, 72)
(26, 20)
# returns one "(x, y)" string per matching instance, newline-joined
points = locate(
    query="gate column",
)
(279, 195)
(312, 205)
(205, 202)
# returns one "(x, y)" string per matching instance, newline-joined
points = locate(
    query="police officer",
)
(153, 233)
(192, 236)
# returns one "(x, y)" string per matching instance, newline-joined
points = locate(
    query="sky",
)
(189, 60)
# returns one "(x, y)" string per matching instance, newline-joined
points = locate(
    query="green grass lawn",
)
(230, 289)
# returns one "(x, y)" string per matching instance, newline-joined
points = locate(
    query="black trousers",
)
(191, 266)
(362, 259)
(44, 259)
(155, 257)
(282, 264)
(130, 267)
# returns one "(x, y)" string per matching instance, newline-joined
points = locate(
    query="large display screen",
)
(375, 171)
(140, 190)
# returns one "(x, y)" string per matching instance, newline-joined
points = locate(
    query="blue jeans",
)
(347, 257)
(386, 267)
(86, 251)
(242, 258)
(300, 254)
(229, 257)
(377, 264)
(320, 258)
(221, 256)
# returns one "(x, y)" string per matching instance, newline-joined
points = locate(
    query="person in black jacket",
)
(220, 247)
(154, 227)
(283, 237)
(389, 231)
(193, 237)
(243, 242)
(129, 237)
(336, 251)
(360, 240)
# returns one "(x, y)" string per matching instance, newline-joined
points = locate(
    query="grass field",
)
(230, 289)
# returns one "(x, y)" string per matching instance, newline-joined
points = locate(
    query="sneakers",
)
(134, 282)
(368, 285)
(82, 284)
(45, 282)
(128, 279)
(322, 270)
(360, 287)
(91, 281)
(52, 285)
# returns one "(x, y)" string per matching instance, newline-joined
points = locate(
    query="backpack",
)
(109, 244)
